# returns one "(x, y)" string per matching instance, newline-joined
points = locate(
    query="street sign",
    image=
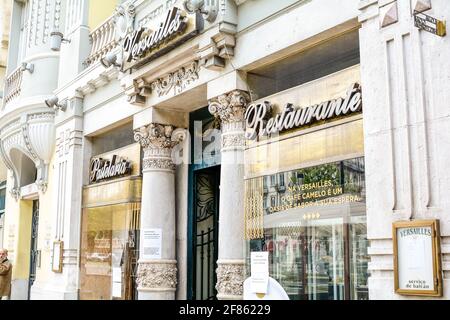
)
(429, 24)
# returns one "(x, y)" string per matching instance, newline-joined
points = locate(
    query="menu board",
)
(417, 258)
(259, 272)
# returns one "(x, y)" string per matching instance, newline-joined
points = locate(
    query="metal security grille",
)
(34, 253)
(206, 206)
(131, 253)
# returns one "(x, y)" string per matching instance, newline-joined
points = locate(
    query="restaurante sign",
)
(259, 123)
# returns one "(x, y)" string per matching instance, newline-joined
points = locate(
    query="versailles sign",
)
(417, 258)
(144, 44)
(260, 123)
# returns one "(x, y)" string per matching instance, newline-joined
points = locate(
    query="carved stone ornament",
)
(157, 275)
(157, 136)
(124, 19)
(230, 280)
(157, 140)
(33, 136)
(230, 107)
(176, 81)
(233, 140)
(15, 193)
(42, 185)
(162, 164)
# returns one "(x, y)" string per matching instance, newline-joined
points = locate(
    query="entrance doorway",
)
(34, 252)
(205, 229)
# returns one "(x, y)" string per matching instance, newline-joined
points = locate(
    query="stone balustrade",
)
(103, 41)
(13, 85)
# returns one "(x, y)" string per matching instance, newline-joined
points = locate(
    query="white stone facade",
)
(404, 75)
(406, 113)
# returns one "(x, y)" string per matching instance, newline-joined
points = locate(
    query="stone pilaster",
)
(157, 278)
(230, 109)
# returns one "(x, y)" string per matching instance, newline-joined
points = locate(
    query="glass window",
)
(109, 252)
(282, 180)
(313, 63)
(273, 180)
(315, 231)
(2, 200)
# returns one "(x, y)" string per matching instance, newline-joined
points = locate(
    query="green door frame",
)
(204, 116)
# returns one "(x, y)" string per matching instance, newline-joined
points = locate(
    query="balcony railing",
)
(103, 40)
(13, 85)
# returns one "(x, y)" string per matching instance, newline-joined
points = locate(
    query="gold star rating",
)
(311, 216)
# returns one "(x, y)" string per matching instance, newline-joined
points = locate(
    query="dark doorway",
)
(34, 252)
(203, 227)
(206, 208)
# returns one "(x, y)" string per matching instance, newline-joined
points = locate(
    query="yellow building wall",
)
(17, 235)
(47, 205)
(100, 10)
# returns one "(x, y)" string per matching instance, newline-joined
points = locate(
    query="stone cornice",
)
(88, 81)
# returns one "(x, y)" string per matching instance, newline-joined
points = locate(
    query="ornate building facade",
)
(151, 146)
(5, 16)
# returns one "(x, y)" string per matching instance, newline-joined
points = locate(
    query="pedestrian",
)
(5, 275)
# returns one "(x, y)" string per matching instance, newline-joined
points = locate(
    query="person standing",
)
(5, 275)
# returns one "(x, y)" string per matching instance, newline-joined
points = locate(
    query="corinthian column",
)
(157, 273)
(230, 109)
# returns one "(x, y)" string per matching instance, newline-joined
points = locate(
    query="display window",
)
(305, 195)
(110, 226)
(313, 224)
(109, 252)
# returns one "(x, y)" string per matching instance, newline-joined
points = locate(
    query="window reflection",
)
(315, 230)
(109, 252)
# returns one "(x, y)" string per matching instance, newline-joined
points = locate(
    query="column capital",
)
(159, 136)
(230, 107)
(158, 140)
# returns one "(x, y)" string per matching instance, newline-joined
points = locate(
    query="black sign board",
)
(429, 24)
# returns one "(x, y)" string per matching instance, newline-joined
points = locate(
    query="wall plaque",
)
(417, 258)
(152, 244)
(57, 257)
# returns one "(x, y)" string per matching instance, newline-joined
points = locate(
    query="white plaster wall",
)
(181, 198)
(283, 34)
(405, 81)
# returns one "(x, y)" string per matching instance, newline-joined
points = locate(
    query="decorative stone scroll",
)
(176, 81)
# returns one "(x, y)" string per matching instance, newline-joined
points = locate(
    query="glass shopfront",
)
(314, 228)
(305, 201)
(109, 252)
(110, 227)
